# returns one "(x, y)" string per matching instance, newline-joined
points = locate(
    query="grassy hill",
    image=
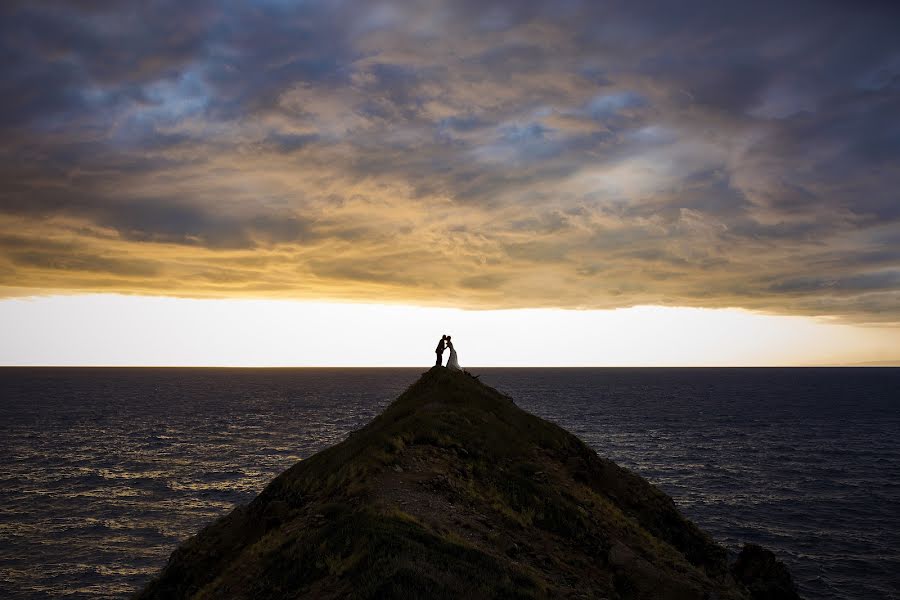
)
(453, 491)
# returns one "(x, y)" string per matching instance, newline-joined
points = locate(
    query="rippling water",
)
(104, 471)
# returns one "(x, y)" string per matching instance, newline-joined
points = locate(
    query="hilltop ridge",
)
(454, 491)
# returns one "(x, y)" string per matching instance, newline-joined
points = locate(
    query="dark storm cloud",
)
(70, 60)
(147, 218)
(538, 154)
(155, 220)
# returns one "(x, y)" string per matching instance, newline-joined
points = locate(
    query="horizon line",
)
(880, 364)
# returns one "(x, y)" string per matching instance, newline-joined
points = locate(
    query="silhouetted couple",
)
(452, 362)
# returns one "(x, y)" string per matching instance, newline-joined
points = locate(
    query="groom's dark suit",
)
(440, 352)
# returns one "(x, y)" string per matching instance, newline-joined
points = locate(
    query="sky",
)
(505, 166)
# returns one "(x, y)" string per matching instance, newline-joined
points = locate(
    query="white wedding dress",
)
(453, 362)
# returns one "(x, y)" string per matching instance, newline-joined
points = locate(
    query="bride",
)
(452, 362)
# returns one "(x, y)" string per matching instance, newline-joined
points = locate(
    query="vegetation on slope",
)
(454, 491)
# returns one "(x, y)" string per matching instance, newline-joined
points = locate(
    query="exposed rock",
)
(764, 576)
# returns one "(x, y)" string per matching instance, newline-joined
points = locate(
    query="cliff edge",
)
(453, 491)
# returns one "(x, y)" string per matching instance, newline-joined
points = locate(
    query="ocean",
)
(103, 472)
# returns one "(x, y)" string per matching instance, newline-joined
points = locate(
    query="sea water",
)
(103, 472)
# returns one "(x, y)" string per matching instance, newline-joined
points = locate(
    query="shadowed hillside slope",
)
(451, 492)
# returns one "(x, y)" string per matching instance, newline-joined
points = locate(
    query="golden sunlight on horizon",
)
(114, 330)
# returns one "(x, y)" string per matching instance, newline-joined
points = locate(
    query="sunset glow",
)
(129, 330)
(566, 158)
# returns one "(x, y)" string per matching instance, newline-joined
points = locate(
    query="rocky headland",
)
(455, 492)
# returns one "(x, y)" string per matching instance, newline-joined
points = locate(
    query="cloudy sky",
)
(477, 155)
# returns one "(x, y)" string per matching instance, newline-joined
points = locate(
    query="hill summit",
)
(453, 491)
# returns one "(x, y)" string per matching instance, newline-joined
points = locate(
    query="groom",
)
(440, 350)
